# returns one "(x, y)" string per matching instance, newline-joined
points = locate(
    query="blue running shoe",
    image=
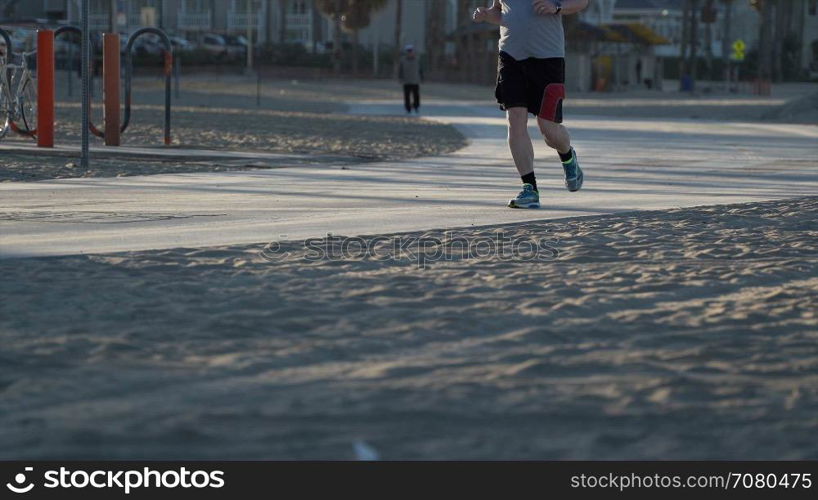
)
(528, 198)
(573, 174)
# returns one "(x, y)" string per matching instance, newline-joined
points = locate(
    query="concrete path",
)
(630, 164)
(169, 154)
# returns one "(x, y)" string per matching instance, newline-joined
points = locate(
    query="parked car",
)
(22, 39)
(236, 46)
(215, 45)
(181, 45)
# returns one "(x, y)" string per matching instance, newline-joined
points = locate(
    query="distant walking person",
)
(411, 75)
(531, 79)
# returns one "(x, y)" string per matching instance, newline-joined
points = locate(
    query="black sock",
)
(530, 179)
(567, 156)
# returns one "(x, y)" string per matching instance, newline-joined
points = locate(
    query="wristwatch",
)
(558, 3)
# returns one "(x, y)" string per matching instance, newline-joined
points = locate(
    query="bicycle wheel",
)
(28, 105)
(5, 114)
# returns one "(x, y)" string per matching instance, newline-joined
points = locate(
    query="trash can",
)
(687, 83)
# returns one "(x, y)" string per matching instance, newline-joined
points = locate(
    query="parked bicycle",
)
(18, 95)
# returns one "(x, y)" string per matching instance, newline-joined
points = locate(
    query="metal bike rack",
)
(168, 71)
(129, 77)
(73, 29)
(67, 29)
(44, 55)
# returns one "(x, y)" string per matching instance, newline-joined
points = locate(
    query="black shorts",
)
(522, 84)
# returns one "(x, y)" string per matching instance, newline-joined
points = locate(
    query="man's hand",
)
(481, 15)
(493, 14)
(544, 7)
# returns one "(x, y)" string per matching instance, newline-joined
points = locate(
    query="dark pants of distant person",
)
(414, 92)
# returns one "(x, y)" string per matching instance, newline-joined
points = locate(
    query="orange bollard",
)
(46, 94)
(112, 78)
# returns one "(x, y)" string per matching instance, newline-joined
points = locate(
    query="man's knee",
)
(548, 128)
(553, 133)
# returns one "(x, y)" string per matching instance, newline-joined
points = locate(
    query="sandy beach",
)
(663, 333)
(679, 334)
(222, 114)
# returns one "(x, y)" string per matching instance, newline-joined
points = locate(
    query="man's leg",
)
(406, 91)
(558, 138)
(522, 150)
(555, 135)
(519, 142)
(416, 92)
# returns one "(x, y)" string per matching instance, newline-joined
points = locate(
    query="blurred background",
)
(689, 45)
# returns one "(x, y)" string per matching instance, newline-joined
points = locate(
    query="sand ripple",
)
(682, 334)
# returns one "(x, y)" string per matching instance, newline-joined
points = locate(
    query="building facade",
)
(666, 17)
(809, 36)
(299, 21)
(293, 21)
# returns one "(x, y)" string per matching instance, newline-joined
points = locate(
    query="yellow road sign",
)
(738, 50)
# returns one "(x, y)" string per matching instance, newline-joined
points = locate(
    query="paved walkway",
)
(170, 153)
(630, 164)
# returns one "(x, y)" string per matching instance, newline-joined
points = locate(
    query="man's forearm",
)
(573, 6)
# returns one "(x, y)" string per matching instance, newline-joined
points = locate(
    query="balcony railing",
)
(195, 21)
(238, 20)
(299, 21)
(99, 21)
(299, 27)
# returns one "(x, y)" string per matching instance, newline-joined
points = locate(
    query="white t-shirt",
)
(524, 34)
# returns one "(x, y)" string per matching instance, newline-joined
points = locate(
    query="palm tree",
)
(694, 39)
(334, 9)
(463, 45)
(398, 35)
(709, 15)
(683, 58)
(765, 45)
(350, 16)
(436, 33)
(727, 38)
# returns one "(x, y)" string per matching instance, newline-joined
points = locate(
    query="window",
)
(196, 6)
(298, 7)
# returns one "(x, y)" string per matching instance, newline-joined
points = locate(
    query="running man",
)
(531, 79)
